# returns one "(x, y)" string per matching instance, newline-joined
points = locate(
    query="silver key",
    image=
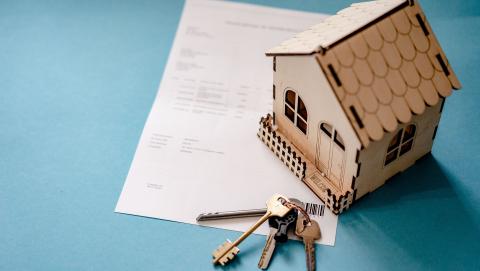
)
(231, 214)
(239, 213)
(268, 249)
(279, 228)
(309, 233)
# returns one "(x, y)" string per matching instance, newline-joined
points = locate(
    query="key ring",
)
(290, 204)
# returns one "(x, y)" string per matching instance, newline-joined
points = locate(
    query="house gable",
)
(388, 73)
(387, 69)
(301, 74)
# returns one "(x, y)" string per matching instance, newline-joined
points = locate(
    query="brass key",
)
(309, 232)
(227, 251)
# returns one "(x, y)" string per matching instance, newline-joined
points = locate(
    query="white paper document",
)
(199, 151)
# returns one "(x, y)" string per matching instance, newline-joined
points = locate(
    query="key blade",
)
(310, 254)
(268, 250)
(309, 233)
(231, 214)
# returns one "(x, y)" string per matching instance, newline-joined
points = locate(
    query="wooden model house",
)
(357, 98)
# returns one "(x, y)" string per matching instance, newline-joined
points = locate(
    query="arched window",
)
(328, 131)
(295, 110)
(401, 143)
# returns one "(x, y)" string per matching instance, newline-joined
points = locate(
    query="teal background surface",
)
(77, 80)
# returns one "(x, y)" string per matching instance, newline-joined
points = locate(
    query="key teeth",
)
(222, 246)
(227, 257)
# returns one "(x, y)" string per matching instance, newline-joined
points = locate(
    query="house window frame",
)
(333, 134)
(404, 145)
(295, 115)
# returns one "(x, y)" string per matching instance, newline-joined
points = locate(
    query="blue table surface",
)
(77, 80)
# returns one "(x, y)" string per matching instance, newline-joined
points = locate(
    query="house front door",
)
(330, 156)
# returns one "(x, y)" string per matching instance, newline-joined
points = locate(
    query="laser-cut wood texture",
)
(385, 67)
(390, 62)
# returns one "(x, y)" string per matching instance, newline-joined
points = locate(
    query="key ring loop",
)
(290, 204)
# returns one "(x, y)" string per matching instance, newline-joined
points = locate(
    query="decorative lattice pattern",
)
(301, 167)
(281, 147)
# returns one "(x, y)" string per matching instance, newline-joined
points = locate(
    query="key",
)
(268, 249)
(279, 227)
(231, 214)
(239, 213)
(227, 251)
(309, 232)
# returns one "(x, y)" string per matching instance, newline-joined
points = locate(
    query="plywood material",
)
(401, 109)
(340, 92)
(377, 63)
(373, 38)
(396, 82)
(428, 92)
(347, 102)
(432, 56)
(382, 66)
(410, 74)
(454, 81)
(352, 100)
(344, 55)
(382, 91)
(387, 29)
(330, 58)
(401, 22)
(359, 46)
(363, 72)
(387, 118)
(415, 101)
(349, 80)
(442, 84)
(392, 55)
(404, 69)
(373, 127)
(374, 173)
(393, 62)
(423, 65)
(412, 12)
(405, 47)
(368, 99)
(421, 42)
(336, 27)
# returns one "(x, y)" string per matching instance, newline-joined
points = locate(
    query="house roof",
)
(335, 28)
(388, 71)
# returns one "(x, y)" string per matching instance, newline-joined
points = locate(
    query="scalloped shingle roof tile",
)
(382, 61)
